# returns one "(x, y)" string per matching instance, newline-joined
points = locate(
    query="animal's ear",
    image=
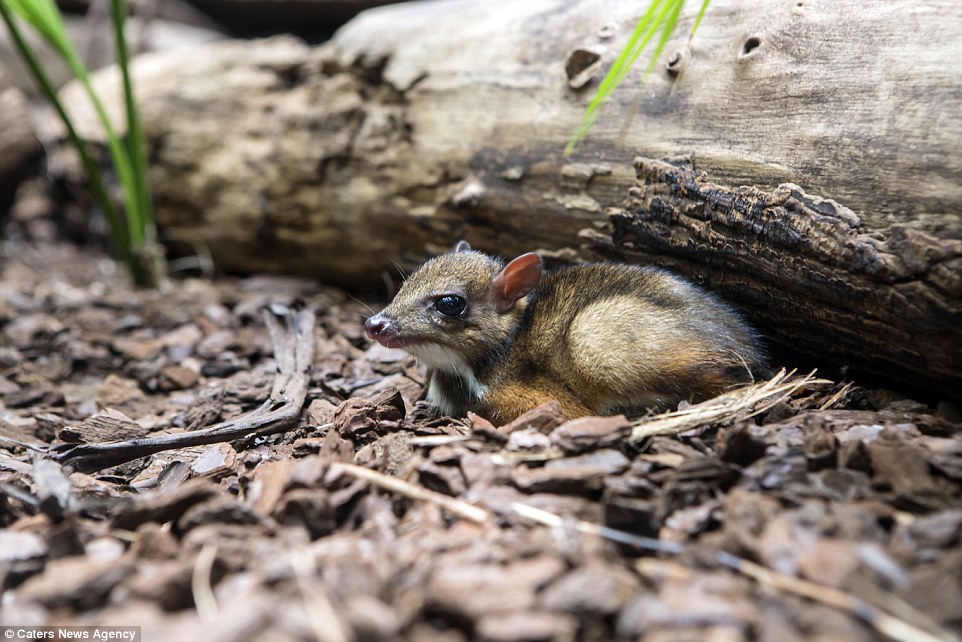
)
(462, 246)
(517, 279)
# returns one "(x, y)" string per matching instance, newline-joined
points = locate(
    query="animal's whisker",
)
(366, 306)
(399, 269)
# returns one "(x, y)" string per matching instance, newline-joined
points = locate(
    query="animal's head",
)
(459, 305)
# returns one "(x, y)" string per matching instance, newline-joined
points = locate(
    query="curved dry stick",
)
(294, 353)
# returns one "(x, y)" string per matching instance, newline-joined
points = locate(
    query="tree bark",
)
(802, 268)
(423, 123)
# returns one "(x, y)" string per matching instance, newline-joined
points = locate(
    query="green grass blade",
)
(701, 14)
(118, 152)
(141, 207)
(667, 29)
(657, 22)
(639, 39)
(45, 17)
(661, 15)
(623, 61)
(98, 188)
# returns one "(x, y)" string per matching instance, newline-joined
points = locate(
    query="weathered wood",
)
(802, 268)
(294, 351)
(423, 122)
(427, 122)
(18, 142)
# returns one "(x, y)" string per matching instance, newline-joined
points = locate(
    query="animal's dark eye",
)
(450, 305)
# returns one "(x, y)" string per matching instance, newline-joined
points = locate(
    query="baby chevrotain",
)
(501, 339)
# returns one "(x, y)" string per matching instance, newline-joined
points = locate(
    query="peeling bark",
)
(806, 271)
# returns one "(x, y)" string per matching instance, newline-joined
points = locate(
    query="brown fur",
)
(599, 338)
(513, 398)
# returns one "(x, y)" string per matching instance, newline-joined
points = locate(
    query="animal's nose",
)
(379, 327)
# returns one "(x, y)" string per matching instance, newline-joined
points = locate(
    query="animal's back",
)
(627, 337)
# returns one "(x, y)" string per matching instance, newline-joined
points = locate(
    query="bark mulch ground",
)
(834, 513)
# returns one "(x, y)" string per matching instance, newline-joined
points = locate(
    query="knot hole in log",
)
(751, 44)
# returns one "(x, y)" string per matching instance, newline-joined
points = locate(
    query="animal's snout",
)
(380, 327)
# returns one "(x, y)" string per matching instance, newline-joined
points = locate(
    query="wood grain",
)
(803, 270)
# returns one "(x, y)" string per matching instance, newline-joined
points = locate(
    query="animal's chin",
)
(431, 354)
(399, 343)
(437, 356)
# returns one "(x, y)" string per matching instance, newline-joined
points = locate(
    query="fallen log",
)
(423, 123)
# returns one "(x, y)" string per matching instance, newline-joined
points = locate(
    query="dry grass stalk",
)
(200, 583)
(321, 613)
(881, 621)
(454, 506)
(556, 521)
(743, 402)
(884, 623)
(838, 396)
(440, 440)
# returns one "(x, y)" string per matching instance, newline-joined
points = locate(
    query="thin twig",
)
(19, 494)
(454, 506)
(294, 353)
(22, 444)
